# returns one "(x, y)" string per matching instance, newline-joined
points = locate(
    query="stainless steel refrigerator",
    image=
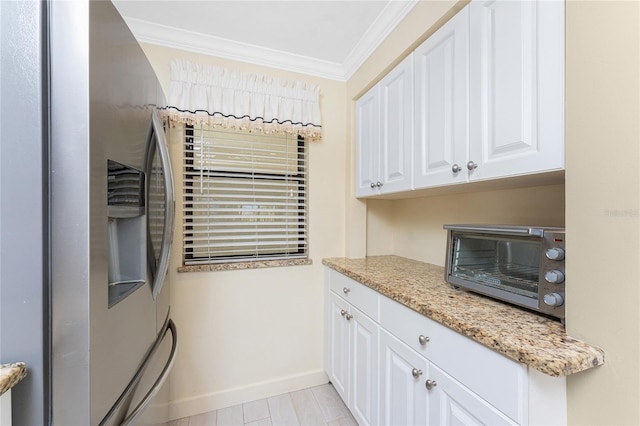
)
(107, 339)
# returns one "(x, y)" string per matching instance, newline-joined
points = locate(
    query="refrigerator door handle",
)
(168, 325)
(161, 378)
(157, 132)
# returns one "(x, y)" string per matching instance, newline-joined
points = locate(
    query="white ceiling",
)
(326, 38)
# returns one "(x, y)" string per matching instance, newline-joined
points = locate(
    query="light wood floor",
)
(319, 405)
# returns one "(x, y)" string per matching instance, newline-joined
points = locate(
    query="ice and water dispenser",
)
(127, 230)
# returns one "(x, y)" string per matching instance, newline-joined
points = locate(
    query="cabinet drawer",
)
(359, 295)
(407, 325)
(495, 378)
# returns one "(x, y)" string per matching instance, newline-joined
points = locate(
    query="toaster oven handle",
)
(534, 232)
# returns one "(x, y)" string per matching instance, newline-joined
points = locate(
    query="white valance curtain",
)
(215, 96)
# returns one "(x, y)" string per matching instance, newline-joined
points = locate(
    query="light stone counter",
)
(534, 340)
(11, 374)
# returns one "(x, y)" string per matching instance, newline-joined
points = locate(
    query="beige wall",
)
(603, 198)
(600, 208)
(414, 227)
(252, 332)
(245, 335)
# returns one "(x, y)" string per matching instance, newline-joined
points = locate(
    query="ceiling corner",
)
(182, 39)
(393, 13)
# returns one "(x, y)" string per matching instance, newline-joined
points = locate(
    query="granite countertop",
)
(11, 374)
(526, 337)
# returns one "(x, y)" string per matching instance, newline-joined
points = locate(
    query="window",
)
(245, 196)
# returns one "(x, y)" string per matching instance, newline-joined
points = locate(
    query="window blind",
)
(245, 196)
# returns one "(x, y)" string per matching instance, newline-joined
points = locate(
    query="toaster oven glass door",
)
(510, 264)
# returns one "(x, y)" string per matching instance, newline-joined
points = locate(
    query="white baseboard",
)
(234, 396)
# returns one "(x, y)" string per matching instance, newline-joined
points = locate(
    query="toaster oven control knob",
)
(553, 299)
(555, 253)
(554, 277)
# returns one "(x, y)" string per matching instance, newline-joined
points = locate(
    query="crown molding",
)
(176, 38)
(393, 13)
(163, 35)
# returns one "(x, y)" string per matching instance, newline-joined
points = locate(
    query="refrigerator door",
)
(103, 92)
(136, 403)
(146, 383)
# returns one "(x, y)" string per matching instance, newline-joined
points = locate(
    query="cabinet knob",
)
(430, 384)
(416, 373)
(456, 168)
(343, 312)
(373, 185)
(471, 165)
(423, 339)
(346, 290)
(349, 317)
(379, 184)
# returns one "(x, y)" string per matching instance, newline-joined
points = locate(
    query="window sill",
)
(235, 266)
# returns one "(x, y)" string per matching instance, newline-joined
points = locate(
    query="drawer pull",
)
(416, 373)
(423, 339)
(430, 384)
(346, 290)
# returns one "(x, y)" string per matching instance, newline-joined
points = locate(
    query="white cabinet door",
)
(364, 352)
(453, 404)
(441, 105)
(5, 408)
(403, 396)
(368, 143)
(396, 121)
(384, 134)
(516, 88)
(339, 364)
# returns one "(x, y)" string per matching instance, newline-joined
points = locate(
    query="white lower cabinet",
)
(364, 367)
(394, 366)
(403, 395)
(416, 392)
(353, 359)
(451, 403)
(338, 364)
(5, 409)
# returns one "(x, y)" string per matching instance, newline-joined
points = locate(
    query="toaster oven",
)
(522, 265)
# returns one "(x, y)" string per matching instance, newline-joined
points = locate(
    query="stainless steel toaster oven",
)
(522, 265)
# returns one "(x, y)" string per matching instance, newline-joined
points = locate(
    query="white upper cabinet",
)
(484, 99)
(441, 105)
(368, 143)
(396, 105)
(384, 122)
(516, 95)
